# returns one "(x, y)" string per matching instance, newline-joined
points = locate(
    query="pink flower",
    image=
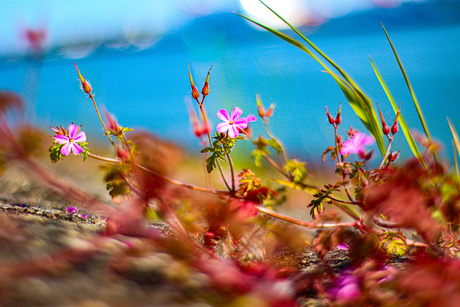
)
(70, 142)
(231, 123)
(356, 144)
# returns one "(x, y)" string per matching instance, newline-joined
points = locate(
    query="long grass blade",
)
(405, 128)
(360, 103)
(455, 158)
(456, 141)
(409, 86)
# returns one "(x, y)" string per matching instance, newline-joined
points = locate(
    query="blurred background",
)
(136, 53)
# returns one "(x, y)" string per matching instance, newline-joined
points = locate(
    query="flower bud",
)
(270, 111)
(338, 117)
(123, 153)
(205, 90)
(394, 128)
(329, 117)
(84, 83)
(195, 93)
(393, 156)
(385, 128)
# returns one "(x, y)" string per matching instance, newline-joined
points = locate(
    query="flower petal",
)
(241, 123)
(223, 127)
(233, 132)
(65, 150)
(223, 115)
(236, 113)
(80, 137)
(251, 118)
(73, 130)
(76, 149)
(61, 139)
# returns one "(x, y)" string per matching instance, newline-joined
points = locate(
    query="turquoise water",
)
(147, 89)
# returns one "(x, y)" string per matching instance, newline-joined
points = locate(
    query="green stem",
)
(276, 140)
(100, 118)
(232, 171)
(205, 120)
(390, 140)
(170, 180)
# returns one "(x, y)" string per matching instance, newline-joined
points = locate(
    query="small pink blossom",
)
(356, 144)
(70, 141)
(232, 123)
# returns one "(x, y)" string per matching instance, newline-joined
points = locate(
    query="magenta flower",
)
(70, 142)
(356, 144)
(231, 123)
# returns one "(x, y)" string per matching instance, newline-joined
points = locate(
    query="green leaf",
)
(394, 244)
(405, 128)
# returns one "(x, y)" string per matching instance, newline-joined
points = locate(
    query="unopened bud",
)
(123, 154)
(385, 128)
(393, 156)
(338, 117)
(270, 111)
(394, 128)
(195, 93)
(205, 90)
(84, 83)
(329, 117)
(260, 107)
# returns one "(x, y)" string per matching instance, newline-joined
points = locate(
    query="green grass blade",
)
(414, 98)
(455, 158)
(360, 103)
(405, 128)
(456, 141)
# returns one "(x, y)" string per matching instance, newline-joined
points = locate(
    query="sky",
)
(73, 22)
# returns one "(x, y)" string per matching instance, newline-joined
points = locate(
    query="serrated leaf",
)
(395, 245)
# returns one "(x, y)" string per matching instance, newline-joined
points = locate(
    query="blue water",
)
(147, 89)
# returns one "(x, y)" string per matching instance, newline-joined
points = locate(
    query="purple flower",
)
(72, 210)
(233, 122)
(70, 142)
(346, 288)
(356, 144)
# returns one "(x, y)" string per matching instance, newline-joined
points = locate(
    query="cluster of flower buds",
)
(338, 118)
(394, 128)
(59, 130)
(84, 83)
(204, 90)
(261, 109)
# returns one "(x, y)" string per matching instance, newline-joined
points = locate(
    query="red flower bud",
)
(84, 83)
(393, 156)
(270, 111)
(195, 93)
(385, 128)
(329, 117)
(205, 90)
(338, 117)
(394, 128)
